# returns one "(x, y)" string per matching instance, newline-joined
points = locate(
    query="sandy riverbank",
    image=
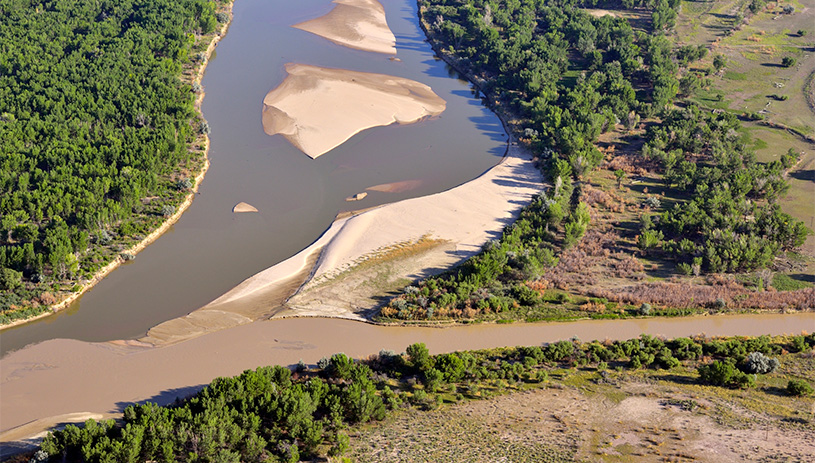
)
(359, 24)
(203, 140)
(318, 109)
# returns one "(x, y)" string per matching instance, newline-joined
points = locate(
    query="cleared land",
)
(604, 416)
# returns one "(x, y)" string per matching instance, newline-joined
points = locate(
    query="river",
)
(210, 249)
(64, 376)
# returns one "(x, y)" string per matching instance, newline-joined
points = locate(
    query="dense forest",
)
(568, 77)
(273, 414)
(96, 127)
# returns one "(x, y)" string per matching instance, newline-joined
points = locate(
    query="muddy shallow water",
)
(63, 376)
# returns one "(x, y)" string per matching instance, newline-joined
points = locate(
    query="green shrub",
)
(649, 239)
(725, 373)
(788, 62)
(10, 279)
(783, 282)
(799, 388)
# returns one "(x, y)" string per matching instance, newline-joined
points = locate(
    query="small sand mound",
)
(357, 197)
(359, 24)
(244, 207)
(318, 109)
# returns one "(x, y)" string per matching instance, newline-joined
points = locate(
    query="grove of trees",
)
(93, 118)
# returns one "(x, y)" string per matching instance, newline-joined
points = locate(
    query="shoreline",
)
(169, 222)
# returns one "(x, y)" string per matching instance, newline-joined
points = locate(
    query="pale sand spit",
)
(359, 24)
(318, 109)
(244, 207)
(458, 221)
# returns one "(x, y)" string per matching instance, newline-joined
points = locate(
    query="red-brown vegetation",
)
(594, 197)
(734, 296)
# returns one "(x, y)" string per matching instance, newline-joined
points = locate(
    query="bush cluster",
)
(731, 220)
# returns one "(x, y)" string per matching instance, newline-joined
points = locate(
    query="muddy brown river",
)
(64, 376)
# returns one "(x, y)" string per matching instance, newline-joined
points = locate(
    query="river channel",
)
(64, 376)
(210, 249)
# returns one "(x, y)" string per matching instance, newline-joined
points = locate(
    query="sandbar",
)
(396, 187)
(318, 109)
(244, 207)
(359, 24)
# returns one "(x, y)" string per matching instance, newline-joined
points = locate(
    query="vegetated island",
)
(318, 109)
(645, 397)
(89, 177)
(359, 24)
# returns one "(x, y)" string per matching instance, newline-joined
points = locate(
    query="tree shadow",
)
(677, 379)
(772, 65)
(166, 397)
(803, 277)
(805, 175)
(776, 391)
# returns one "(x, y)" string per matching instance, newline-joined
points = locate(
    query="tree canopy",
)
(93, 118)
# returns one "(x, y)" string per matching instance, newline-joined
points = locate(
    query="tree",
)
(10, 279)
(759, 363)
(619, 174)
(788, 62)
(419, 356)
(725, 373)
(719, 62)
(799, 387)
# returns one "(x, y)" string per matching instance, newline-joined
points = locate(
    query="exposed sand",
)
(395, 243)
(244, 207)
(597, 13)
(318, 109)
(357, 197)
(359, 24)
(61, 376)
(396, 187)
(458, 222)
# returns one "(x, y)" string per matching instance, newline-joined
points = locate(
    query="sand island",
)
(318, 109)
(359, 24)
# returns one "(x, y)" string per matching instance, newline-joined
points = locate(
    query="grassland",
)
(586, 414)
